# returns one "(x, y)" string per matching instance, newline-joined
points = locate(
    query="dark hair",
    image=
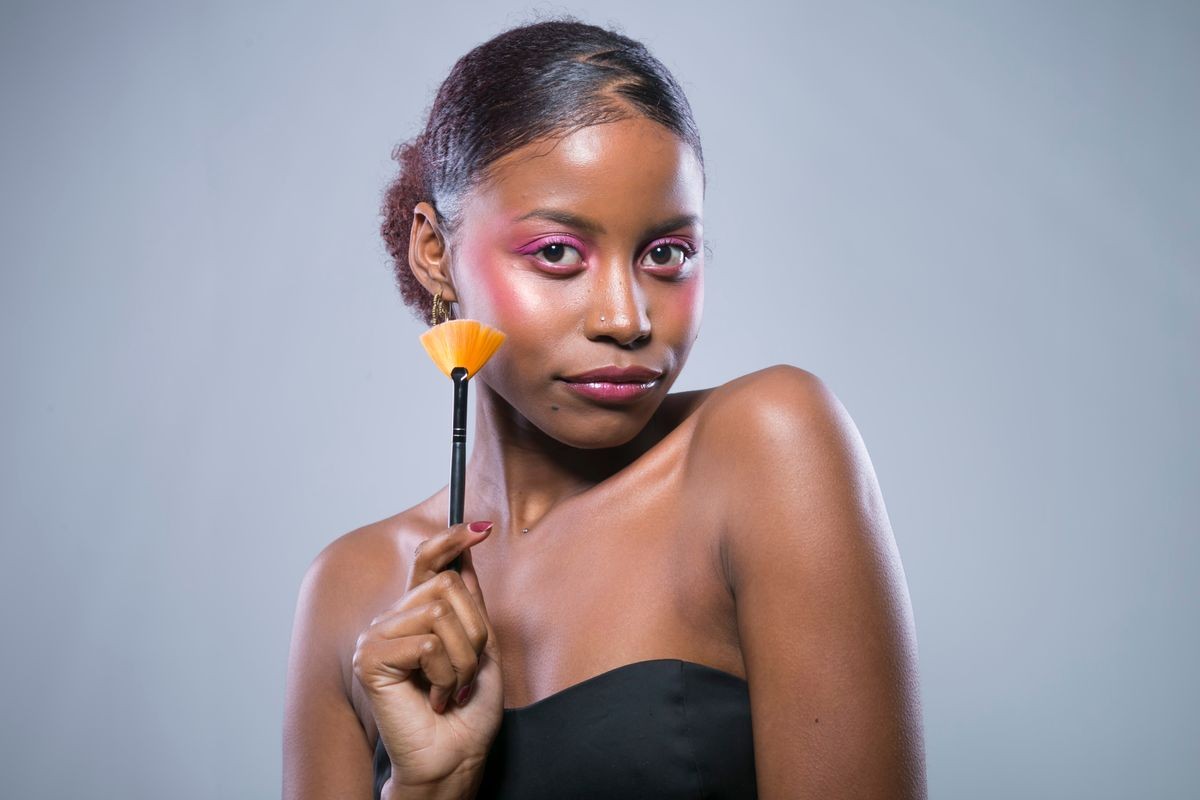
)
(543, 79)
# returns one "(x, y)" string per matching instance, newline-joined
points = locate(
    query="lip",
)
(615, 374)
(613, 384)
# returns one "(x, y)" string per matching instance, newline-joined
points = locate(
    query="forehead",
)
(616, 172)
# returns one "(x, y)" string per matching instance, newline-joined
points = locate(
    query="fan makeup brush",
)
(460, 348)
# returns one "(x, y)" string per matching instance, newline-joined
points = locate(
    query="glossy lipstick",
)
(614, 384)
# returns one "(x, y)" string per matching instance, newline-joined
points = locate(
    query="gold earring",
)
(441, 311)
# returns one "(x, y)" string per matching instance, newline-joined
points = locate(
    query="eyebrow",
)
(591, 226)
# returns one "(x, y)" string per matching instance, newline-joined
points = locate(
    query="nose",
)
(617, 311)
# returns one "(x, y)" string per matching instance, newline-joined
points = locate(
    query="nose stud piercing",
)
(602, 319)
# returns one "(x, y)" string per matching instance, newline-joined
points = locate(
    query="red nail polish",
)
(463, 694)
(481, 526)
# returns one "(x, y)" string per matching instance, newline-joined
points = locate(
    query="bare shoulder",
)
(358, 562)
(780, 411)
(779, 442)
(353, 578)
(776, 438)
(824, 620)
(328, 729)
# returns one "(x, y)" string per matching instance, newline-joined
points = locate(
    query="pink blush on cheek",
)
(504, 292)
(686, 299)
(676, 313)
(498, 291)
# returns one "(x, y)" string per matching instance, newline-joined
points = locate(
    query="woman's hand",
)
(430, 666)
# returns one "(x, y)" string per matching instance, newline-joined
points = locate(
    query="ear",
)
(428, 253)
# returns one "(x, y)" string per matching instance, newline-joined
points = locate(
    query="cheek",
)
(532, 312)
(490, 291)
(519, 305)
(682, 307)
(502, 296)
(497, 288)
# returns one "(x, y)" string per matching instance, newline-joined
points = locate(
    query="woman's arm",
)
(823, 613)
(346, 667)
(325, 749)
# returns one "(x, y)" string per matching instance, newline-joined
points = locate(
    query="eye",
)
(666, 254)
(560, 254)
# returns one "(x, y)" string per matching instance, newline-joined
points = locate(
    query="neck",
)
(517, 473)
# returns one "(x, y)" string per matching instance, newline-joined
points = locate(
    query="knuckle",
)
(359, 662)
(446, 580)
(465, 669)
(421, 550)
(437, 609)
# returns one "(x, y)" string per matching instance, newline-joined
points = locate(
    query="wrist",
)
(461, 785)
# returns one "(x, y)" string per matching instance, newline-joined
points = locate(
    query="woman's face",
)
(587, 252)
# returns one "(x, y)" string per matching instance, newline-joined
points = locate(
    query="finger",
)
(380, 663)
(440, 618)
(453, 588)
(438, 670)
(460, 652)
(491, 648)
(449, 586)
(435, 553)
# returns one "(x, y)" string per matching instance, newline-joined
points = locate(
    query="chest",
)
(630, 579)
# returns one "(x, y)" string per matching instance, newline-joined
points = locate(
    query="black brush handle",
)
(458, 454)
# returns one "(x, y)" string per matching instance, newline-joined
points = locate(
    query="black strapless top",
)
(663, 728)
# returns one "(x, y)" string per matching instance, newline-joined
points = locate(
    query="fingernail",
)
(440, 707)
(481, 526)
(463, 694)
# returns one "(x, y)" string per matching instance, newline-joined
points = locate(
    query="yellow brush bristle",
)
(463, 343)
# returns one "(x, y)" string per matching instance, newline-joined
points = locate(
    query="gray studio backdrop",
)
(978, 222)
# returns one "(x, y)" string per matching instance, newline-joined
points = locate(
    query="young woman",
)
(663, 595)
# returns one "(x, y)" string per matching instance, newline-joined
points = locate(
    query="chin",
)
(576, 423)
(595, 429)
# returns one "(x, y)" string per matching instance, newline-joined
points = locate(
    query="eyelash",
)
(689, 252)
